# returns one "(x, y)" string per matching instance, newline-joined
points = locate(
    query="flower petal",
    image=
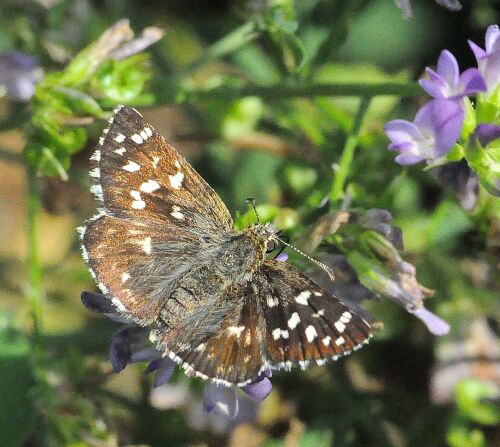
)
(492, 39)
(471, 82)
(259, 390)
(490, 69)
(165, 372)
(477, 50)
(448, 120)
(221, 400)
(400, 131)
(436, 325)
(447, 68)
(434, 89)
(486, 133)
(282, 257)
(144, 355)
(119, 349)
(96, 302)
(407, 160)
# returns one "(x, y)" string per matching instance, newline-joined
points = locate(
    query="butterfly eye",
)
(271, 246)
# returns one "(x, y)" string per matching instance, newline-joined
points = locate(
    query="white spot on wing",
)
(120, 138)
(96, 156)
(302, 297)
(125, 276)
(120, 151)
(156, 160)
(150, 186)
(148, 131)
(318, 314)
(340, 341)
(136, 138)
(339, 326)
(294, 320)
(176, 212)
(272, 301)
(176, 180)
(236, 330)
(311, 333)
(326, 341)
(119, 305)
(146, 245)
(131, 166)
(96, 173)
(280, 333)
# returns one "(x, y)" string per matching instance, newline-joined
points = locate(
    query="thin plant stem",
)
(34, 268)
(281, 91)
(344, 166)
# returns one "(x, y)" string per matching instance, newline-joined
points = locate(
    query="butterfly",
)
(163, 249)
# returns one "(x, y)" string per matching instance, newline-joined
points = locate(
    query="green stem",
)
(34, 267)
(344, 167)
(281, 91)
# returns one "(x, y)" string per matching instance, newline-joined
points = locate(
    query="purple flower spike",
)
(221, 400)
(486, 133)
(259, 390)
(432, 134)
(448, 83)
(488, 60)
(436, 325)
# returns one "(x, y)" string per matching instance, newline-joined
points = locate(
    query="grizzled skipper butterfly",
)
(164, 251)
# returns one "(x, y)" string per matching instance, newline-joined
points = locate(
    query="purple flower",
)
(448, 83)
(432, 134)
(436, 325)
(19, 73)
(130, 344)
(486, 133)
(488, 60)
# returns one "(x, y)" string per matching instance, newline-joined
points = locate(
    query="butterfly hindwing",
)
(220, 340)
(304, 322)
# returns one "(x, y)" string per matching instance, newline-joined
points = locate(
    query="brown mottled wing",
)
(135, 265)
(138, 175)
(304, 322)
(283, 320)
(220, 340)
(156, 212)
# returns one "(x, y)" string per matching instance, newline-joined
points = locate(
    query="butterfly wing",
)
(137, 175)
(283, 320)
(220, 340)
(303, 322)
(156, 214)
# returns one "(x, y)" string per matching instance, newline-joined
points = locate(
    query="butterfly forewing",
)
(139, 176)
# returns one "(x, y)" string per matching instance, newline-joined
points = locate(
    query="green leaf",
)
(16, 408)
(471, 396)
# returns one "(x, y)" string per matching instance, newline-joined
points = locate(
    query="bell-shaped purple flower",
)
(447, 82)
(432, 134)
(488, 60)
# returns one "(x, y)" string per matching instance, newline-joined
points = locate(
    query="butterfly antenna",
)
(251, 200)
(322, 266)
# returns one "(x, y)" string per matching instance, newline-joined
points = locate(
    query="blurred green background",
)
(223, 86)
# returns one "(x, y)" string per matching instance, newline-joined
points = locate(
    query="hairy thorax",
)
(231, 265)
